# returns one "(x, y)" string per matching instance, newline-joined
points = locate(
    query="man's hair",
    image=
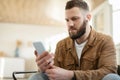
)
(77, 3)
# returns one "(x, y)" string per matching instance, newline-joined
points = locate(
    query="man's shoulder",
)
(103, 36)
(99, 36)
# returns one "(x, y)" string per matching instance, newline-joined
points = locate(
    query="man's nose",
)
(70, 23)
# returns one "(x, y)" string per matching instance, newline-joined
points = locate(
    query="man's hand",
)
(44, 61)
(56, 73)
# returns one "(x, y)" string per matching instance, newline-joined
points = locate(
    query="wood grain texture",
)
(39, 12)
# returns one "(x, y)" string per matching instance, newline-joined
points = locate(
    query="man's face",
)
(76, 22)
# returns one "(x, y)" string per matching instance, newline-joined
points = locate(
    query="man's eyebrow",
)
(75, 17)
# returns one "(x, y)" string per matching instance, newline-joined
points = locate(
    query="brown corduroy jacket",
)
(98, 57)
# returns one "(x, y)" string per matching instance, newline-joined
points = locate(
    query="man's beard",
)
(80, 32)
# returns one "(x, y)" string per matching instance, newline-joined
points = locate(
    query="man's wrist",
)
(71, 75)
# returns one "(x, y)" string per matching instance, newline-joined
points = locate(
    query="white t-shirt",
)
(79, 48)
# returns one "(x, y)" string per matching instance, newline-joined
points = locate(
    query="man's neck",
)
(84, 37)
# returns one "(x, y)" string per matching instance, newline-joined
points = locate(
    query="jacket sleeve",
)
(58, 56)
(106, 63)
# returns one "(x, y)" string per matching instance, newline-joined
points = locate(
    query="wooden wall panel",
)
(34, 11)
(27, 11)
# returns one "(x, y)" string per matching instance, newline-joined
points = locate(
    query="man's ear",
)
(88, 16)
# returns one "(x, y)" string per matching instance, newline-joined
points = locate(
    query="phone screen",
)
(39, 47)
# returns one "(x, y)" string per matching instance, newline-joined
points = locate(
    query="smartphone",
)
(39, 47)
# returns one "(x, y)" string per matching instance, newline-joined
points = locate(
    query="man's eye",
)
(66, 20)
(75, 18)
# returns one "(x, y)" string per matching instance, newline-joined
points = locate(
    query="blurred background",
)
(23, 22)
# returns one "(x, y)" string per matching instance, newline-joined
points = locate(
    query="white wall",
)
(102, 18)
(9, 33)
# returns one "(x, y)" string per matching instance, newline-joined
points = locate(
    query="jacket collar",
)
(92, 37)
